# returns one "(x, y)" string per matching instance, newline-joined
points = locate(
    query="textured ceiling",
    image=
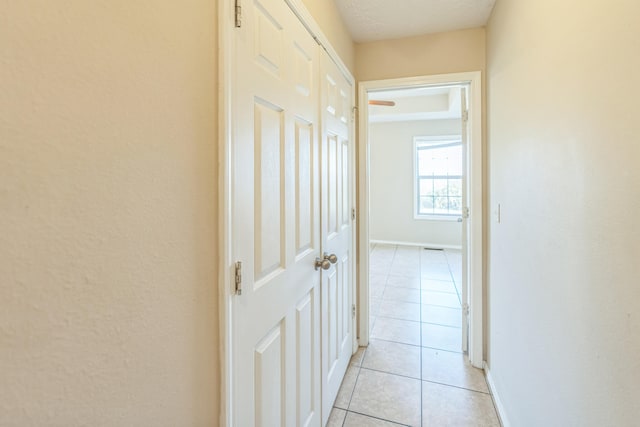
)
(370, 20)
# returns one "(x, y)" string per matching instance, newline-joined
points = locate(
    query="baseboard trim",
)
(502, 414)
(424, 245)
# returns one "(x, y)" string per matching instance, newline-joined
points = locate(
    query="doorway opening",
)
(420, 198)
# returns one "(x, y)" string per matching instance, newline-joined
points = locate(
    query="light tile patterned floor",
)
(413, 372)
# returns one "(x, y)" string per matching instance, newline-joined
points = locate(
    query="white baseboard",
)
(424, 245)
(502, 414)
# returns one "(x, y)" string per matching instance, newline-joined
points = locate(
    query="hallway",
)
(413, 372)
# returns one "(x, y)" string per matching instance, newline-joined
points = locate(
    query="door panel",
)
(275, 220)
(337, 229)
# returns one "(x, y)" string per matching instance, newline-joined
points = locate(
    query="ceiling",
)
(427, 103)
(370, 20)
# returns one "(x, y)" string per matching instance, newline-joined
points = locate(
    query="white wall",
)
(564, 289)
(392, 188)
(108, 213)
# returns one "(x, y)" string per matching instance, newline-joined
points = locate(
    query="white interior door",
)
(337, 153)
(275, 219)
(464, 134)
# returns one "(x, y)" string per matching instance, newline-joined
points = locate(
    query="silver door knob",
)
(325, 264)
(332, 258)
(459, 219)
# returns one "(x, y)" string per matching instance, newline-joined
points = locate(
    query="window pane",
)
(454, 160)
(455, 205)
(425, 164)
(440, 187)
(441, 205)
(455, 187)
(426, 205)
(441, 196)
(441, 161)
(426, 187)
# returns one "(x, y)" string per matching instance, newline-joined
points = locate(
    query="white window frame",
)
(434, 140)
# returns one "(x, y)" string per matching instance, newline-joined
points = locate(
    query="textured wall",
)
(441, 53)
(108, 213)
(392, 184)
(564, 271)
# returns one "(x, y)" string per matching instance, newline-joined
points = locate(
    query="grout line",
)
(393, 373)
(457, 386)
(376, 418)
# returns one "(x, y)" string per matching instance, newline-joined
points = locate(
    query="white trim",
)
(225, 55)
(226, 27)
(475, 248)
(502, 413)
(423, 245)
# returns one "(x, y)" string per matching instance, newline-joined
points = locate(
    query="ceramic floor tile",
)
(441, 337)
(377, 279)
(437, 275)
(374, 306)
(400, 310)
(392, 293)
(393, 358)
(445, 406)
(438, 286)
(356, 359)
(444, 316)
(452, 369)
(402, 331)
(404, 281)
(357, 420)
(389, 397)
(440, 298)
(336, 418)
(403, 270)
(346, 389)
(379, 269)
(376, 291)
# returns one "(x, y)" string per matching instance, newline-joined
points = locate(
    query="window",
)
(438, 166)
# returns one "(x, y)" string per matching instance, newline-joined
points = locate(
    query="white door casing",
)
(464, 136)
(337, 154)
(474, 239)
(275, 216)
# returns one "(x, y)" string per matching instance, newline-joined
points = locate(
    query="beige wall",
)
(450, 52)
(392, 177)
(108, 213)
(564, 272)
(328, 18)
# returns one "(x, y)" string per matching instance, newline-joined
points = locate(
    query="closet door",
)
(275, 216)
(337, 168)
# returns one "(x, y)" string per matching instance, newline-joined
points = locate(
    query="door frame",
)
(225, 264)
(474, 184)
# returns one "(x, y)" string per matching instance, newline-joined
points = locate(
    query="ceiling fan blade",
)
(383, 103)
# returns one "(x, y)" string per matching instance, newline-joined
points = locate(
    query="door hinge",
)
(465, 115)
(353, 214)
(465, 309)
(465, 213)
(238, 12)
(238, 278)
(353, 310)
(354, 111)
